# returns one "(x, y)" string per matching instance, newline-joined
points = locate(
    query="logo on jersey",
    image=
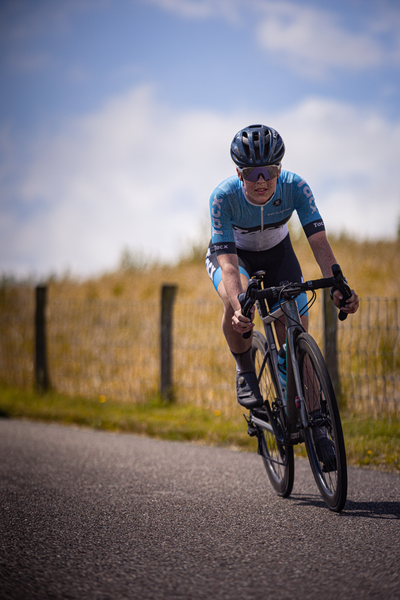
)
(210, 267)
(216, 213)
(277, 202)
(308, 193)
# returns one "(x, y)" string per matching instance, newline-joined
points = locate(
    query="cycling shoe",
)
(248, 392)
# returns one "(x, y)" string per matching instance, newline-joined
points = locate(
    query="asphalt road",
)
(87, 514)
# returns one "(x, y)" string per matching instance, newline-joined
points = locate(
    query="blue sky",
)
(116, 118)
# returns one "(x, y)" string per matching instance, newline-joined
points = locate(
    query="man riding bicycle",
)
(249, 233)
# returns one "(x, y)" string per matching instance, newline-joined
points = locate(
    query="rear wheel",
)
(277, 456)
(324, 438)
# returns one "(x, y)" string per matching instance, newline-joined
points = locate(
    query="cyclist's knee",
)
(280, 332)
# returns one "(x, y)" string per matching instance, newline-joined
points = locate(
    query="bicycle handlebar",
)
(292, 290)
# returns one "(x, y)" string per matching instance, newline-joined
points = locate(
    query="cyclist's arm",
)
(322, 252)
(233, 287)
(325, 258)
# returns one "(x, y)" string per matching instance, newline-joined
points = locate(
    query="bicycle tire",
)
(330, 475)
(277, 457)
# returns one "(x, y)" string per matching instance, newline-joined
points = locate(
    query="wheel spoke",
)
(324, 437)
(278, 457)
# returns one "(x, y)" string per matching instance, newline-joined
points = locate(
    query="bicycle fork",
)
(296, 407)
(270, 426)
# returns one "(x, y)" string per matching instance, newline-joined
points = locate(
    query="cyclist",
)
(249, 233)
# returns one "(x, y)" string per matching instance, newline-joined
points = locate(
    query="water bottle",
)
(282, 367)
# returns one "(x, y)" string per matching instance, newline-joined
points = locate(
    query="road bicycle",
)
(304, 410)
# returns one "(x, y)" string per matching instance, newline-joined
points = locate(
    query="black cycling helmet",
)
(257, 146)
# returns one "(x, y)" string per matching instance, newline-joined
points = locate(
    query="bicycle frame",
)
(294, 400)
(307, 411)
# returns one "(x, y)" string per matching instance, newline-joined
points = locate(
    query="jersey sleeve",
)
(222, 235)
(307, 210)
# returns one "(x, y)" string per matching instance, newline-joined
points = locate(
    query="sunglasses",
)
(252, 174)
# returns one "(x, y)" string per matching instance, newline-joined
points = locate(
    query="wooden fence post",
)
(329, 325)
(168, 293)
(41, 372)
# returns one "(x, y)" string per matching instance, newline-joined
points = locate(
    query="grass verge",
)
(369, 442)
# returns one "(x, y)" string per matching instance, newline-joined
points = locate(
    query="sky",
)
(116, 118)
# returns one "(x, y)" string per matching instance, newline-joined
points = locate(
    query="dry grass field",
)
(103, 332)
(103, 351)
(371, 267)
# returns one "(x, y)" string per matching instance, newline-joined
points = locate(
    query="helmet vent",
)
(246, 144)
(257, 145)
(256, 141)
(267, 147)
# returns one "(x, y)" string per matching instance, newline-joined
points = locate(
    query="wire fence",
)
(368, 356)
(112, 349)
(369, 359)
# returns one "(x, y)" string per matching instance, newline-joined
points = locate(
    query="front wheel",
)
(278, 457)
(324, 436)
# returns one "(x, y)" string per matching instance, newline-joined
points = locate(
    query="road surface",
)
(90, 514)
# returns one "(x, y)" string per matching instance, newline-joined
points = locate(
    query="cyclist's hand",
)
(351, 305)
(240, 323)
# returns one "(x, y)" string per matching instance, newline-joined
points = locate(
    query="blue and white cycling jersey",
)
(236, 223)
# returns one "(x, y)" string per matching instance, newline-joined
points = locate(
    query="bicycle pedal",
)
(251, 430)
(296, 438)
(261, 413)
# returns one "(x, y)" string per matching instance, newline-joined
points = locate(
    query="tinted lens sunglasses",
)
(268, 172)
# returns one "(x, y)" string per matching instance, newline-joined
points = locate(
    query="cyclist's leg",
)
(248, 392)
(279, 263)
(281, 332)
(235, 341)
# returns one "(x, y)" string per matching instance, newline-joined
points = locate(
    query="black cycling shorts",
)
(279, 263)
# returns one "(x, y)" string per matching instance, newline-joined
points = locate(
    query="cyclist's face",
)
(260, 191)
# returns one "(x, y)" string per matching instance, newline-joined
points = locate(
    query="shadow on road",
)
(370, 510)
(373, 510)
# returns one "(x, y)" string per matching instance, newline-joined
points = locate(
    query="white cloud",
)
(185, 8)
(310, 40)
(348, 156)
(229, 10)
(135, 174)
(138, 173)
(313, 41)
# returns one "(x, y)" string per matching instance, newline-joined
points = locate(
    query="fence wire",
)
(112, 348)
(17, 313)
(369, 357)
(104, 348)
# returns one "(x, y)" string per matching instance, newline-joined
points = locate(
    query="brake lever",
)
(343, 287)
(247, 301)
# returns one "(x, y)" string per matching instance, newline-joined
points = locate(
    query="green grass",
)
(154, 418)
(369, 442)
(373, 443)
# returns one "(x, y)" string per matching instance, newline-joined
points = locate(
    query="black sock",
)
(244, 361)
